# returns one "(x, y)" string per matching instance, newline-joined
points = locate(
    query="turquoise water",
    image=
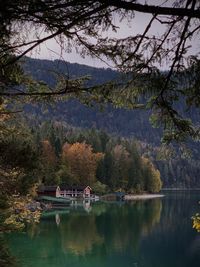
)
(151, 233)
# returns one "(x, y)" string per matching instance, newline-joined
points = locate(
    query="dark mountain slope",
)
(176, 172)
(119, 121)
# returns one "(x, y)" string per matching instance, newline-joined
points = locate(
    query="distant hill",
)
(128, 123)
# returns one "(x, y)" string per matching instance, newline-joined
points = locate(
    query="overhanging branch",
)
(159, 10)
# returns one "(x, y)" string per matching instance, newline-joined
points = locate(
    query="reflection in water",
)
(6, 259)
(129, 223)
(78, 234)
(87, 205)
(57, 216)
(153, 233)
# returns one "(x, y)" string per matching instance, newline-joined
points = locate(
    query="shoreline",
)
(180, 189)
(142, 197)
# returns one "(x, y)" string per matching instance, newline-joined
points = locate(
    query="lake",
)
(150, 233)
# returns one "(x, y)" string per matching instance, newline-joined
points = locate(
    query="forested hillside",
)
(119, 121)
(176, 170)
(75, 156)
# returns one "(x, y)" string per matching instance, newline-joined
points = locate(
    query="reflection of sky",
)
(51, 49)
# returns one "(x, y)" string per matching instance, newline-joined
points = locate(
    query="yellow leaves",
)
(14, 172)
(154, 183)
(13, 223)
(11, 173)
(21, 212)
(196, 222)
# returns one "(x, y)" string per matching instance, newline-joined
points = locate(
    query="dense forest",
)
(178, 168)
(54, 154)
(74, 156)
(75, 125)
(73, 143)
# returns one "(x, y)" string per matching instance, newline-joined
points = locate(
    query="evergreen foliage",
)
(91, 157)
(178, 167)
(85, 25)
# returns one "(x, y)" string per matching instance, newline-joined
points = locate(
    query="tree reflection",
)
(127, 225)
(113, 226)
(109, 229)
(79, 234)
(6, 259)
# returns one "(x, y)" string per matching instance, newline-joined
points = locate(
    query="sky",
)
(51, 49)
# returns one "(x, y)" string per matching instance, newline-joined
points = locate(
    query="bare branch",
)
(178, 54)
(141, 40)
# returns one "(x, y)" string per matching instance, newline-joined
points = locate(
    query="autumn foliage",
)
(82, 162)
(196, 222)
(48, 153)
(152, 176)
(97, 160)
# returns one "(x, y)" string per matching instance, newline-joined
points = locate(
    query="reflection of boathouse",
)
(65, 191)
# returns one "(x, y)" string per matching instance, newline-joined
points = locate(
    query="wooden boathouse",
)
(65, 191)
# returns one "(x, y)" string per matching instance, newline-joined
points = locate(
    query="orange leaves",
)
(82, 161)
(48, 153)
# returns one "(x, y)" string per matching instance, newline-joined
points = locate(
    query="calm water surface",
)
(151, 233)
